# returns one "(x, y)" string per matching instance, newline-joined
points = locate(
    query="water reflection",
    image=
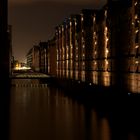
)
(133, 83)
(105, 129)
(46, 113)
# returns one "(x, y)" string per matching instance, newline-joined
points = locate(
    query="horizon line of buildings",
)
(100, 47)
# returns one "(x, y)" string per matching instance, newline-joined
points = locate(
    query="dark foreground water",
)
(40, 112)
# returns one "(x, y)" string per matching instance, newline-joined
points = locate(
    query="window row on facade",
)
(97, 46)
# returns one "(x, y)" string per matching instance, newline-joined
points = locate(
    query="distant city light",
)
(22, 68)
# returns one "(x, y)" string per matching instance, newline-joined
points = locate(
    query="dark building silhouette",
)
(52, 57)
(4, 71)
(43, 46)
(36, 58)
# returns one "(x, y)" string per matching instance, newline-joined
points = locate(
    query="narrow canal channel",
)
(41, 112)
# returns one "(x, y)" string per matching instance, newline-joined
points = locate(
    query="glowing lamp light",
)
(107, 51)
(82, 19)
(107, 39)
(137, 46)
(136, 62)
(106, 62)
(95, 52)
(90, 84)
(136, 3)
(136, 16)
(94, 18)
(136, 31)
(132, 23)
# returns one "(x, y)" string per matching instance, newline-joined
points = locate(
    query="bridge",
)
(30, 79)
(27, 75)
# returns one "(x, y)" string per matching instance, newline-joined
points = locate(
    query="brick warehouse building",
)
(104, 39)
(100, 47)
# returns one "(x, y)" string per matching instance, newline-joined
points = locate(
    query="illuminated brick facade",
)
(100, 47)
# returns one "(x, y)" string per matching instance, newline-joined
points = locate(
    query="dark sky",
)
(34, 20)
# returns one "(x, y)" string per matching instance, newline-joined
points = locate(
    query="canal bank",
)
(94, 94)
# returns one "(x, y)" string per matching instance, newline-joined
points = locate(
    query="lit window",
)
(136, 31)
(136, 16)
(95, 52)
(106, 13)
(94, 18)
(107, 39)
(136, 3)
(62, 28)
(132, 23)
(137, 46)
(106, 61)
(107, 51)
(82, 19)
(106, 29)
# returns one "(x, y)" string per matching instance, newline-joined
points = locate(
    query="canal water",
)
(41, 112)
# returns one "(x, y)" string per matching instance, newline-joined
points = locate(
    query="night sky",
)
(34, 20)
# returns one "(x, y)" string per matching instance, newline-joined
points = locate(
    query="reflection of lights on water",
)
(106, 78)
(133, 83)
